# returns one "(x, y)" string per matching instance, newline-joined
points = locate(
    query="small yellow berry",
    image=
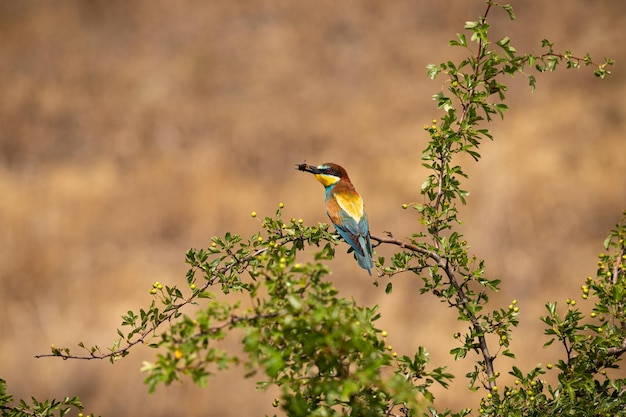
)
(549, 366)
(384, 333)
(281, 205)
(253, 214)
(516, 309)
(193, 286)
(178, 353)
(514, 302)
(573, 302)
(389, 347)
(405, 206)
(153, 291)
(494, 389)
(300, 221)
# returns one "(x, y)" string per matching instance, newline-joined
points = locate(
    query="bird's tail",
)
(365, 260)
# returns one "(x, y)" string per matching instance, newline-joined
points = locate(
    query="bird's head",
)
(328, 174)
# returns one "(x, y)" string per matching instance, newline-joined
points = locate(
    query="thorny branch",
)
(174, 309)
(617, 351)
(441, 261)
(462, 297)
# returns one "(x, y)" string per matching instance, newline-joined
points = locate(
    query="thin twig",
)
(155, 325)
(443, 264)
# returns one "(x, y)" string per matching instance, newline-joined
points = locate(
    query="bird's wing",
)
(347, 213)
(364, 228)
(358, 237)
(351, 232)
(348, 216)
(351, 204)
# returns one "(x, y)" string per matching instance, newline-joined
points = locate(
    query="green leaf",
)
(460, 41)
(607, 241)
(509, 9)
(508, 353)
(432, 71)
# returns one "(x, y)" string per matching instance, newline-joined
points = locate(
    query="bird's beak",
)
(308, 168)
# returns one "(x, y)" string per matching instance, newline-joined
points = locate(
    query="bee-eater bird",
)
(346, 210)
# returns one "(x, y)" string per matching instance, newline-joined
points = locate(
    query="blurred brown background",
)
(133, 130)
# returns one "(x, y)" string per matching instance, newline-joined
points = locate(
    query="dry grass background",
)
(131, 131)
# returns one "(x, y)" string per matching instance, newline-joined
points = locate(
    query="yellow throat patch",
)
(326, 180)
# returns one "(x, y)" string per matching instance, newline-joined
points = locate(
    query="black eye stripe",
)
(331, 169)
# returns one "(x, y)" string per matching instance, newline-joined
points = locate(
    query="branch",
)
(434, 256)
(620, 306)
(443, 264)
(617, 351)
(114, 353)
